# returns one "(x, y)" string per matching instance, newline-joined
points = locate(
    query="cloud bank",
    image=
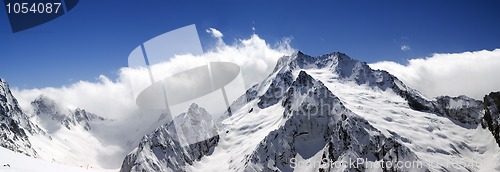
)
(473, 74)
(114, 99)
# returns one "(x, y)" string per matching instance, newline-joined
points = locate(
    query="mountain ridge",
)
(334, 104)
(271, 131)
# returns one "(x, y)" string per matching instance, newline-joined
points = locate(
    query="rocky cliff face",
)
(462, 109)
(14, 124)
(491, 118)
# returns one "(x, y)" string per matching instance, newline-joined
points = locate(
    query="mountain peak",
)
(54, 116)
(304, 61)
(194, 136)
(347, 69)
(193, 106)
(4, 88)
(303, 78)
(45, 104)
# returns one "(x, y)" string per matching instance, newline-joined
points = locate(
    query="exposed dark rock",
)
(491, 118)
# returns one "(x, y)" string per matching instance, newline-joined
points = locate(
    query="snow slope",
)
(433, 138)
(452, 144)
(71, 135)
(16, 162)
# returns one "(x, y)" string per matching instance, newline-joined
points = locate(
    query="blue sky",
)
(96, 37)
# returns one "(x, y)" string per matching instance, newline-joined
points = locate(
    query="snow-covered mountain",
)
(318, 126)
(167, 149)
(334, 113)
(15, 125)
(324, 113)
(51, 132)
(72, 136)
(52, 116)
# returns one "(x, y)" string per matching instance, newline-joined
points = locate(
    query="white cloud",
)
(473, 74)
(113, 99)
(255, 57)
(214, 32)
(105, 97)
(405, 47)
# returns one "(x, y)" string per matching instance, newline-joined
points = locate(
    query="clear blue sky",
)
(96, 37)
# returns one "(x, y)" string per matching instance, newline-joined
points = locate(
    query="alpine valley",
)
(324, 113)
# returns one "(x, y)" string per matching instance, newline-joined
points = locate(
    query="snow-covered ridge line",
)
(349, 69)
(46, 109)
(335, 108)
